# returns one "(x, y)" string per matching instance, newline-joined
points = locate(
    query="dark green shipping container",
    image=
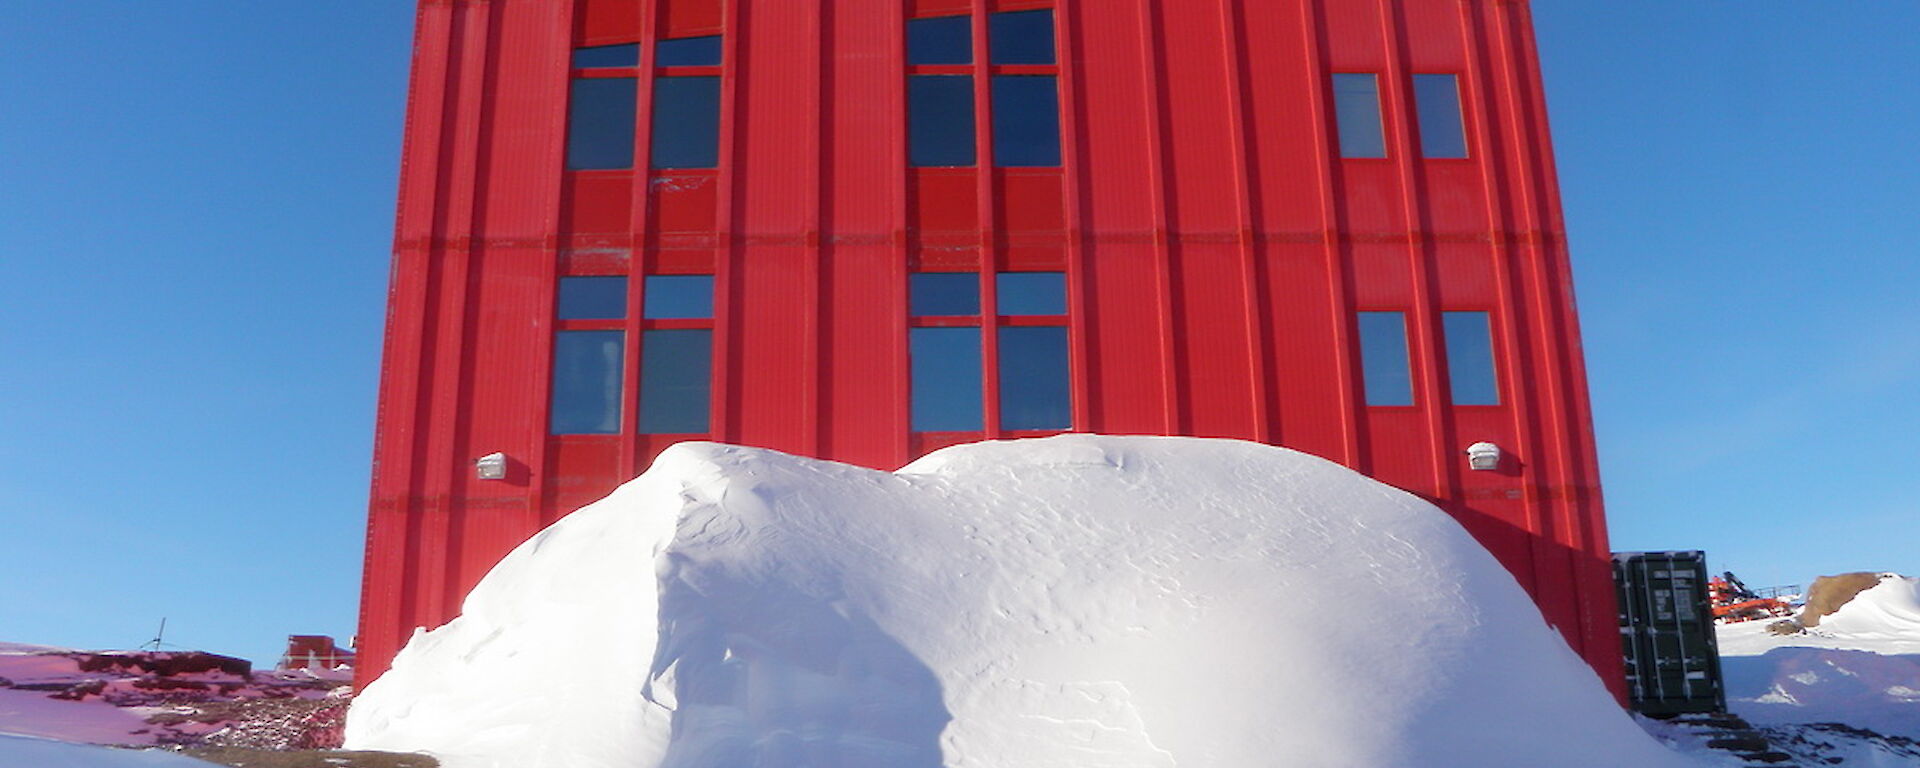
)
(1667, 632)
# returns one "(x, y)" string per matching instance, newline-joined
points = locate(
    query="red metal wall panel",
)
(1216, 248)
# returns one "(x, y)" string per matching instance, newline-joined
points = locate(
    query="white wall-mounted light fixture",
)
(1483, 456)
(492, 466)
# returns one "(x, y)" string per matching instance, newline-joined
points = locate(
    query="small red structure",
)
(866, 229)
(314, 652)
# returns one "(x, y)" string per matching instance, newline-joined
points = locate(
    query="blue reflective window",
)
(1026, 121)
(1437, 97)
(946, 379)
(686, 122)
(592, 298)
(1031, 293)
(932, 294)
(586, 382)
(940, 40)
(1356, 108)
(940, 120)
(688, 52)
(676, 372)
(677, 296)
(1470, 373)
(1034, 392)
(607, 56)
(1021, 37)
(600, 123)
(1383, 358)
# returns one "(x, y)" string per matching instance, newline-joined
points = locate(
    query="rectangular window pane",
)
(1356, 107)
(940, 120)
(940, 40)
(1383, 358)
(1031, 293)
(1441, 132)
(1470, 371)
(677, 296)
(1026, 121)
(592, 298)
(676, 372)
(686, 122)
(932, 294)
(586, 382)
(1020, 37)
(607, 56)
(1034, 392)
(600, 123)
(688, 52)
(946, 379)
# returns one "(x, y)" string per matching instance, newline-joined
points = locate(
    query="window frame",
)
(990, 321)
(983, 71)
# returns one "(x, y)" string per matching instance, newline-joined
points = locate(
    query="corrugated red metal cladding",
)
(1216, 247)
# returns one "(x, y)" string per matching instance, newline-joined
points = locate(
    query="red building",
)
(866, 229)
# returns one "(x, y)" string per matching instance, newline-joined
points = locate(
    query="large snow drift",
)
(1860, 666)
(1083, 601)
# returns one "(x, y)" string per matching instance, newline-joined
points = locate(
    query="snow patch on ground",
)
(28, 752)
(1077, 600)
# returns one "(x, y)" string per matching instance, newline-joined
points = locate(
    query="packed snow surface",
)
(29, 752)
(1085, 601)
(1860, 666)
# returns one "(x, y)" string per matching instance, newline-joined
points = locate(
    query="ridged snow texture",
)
(1083, 601)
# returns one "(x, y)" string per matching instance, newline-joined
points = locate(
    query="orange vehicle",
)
(1733, 601)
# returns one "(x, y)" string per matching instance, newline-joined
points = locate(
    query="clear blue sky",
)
(196, 206)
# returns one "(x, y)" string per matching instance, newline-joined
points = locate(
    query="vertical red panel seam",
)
(1172, 420)
(986, 201)
(1260, 383)
(1428, 365)
(902, 424)
(1478, 94)
(396, 414)
(1078, 344)
(540, 462)
(812, 401)
(639, 258)
(725, 390)
(1340, 280)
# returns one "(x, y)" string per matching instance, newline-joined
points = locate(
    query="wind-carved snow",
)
(1083, 601)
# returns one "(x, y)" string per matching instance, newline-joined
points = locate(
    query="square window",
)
(940, 40)
(686, 122)
(607, 56)
(946, 388)
(1031, 293)
(677, 297)
(944, 294)
(688, 52)
(1021, 37)
(1356, 107)
(586, 382)
(676, 388)
(1026, 121)
(1034, 389)
(1470, 371)
(600, 122)
(592, 298)
(940, 120)
(1437, 97)
(1384, 369)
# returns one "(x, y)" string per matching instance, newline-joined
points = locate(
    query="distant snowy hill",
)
(1860, 666)
(1096, 602)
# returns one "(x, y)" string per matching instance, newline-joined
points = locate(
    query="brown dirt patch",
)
(1828, 593)
(318, 758)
